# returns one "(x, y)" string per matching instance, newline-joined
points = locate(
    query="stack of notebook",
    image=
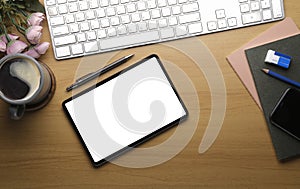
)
(266, 90)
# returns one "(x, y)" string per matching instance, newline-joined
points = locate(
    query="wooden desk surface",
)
(43, 151)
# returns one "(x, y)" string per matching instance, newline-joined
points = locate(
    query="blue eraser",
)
(278, 59)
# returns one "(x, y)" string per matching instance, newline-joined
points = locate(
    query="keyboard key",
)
(166, 11)
(172, 2)
(52, 11)
(142, 26)
(135, 17)
(55, 21)
(101, 34)
(131, 8)
(152, 24)
(121, 10)
(110, 11)
(222, 24)
(277, 11)
(115, 21)
(91, 46)
(81, 37)
(251, 17)
(151, 4)
(95, 24)
(161, 3)
(69, 18)
(90, 15)
(91, 35)
(244, 8)
(103, 3)
(77, 49)
(114, 2)
(122, 30)
(79, 16)
(104, 22)
(167, 33)
(265, 4)
(232, 22)
(181, 30)
(83, 5)
(65, 40)
(189, 18)
(146, 15)
(141, 6)
(61, 1)
(195, 28)
(50, 2)
(176, 10)
(73, 7)
(162, 23)
(212, 25)
(63, 51)
(267, 14)
(111, 32)
(94, 4)
(84, 26)
(192, 7)
(61, 30)
(255, 6)
(129, 40)
(220, 13)
(132, 28)
(125, 19)
(155, 13)
(182, 1)
(173, 21)
(74, 28)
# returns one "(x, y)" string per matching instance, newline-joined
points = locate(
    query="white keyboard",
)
(84, 27)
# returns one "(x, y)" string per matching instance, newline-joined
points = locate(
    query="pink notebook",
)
(238, 59)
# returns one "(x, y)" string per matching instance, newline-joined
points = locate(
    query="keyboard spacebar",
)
(129, 40)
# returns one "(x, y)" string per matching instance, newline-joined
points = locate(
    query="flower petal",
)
(34, 34)
(15, 46)
(42, 47)
(33, 53)
(2, 46)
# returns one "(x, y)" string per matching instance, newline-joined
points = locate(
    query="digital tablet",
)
(125, 110)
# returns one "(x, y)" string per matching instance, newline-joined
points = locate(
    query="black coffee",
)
(12, 87)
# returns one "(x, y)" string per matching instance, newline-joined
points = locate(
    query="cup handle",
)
(16, 111)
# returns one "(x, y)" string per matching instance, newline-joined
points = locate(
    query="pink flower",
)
(15, 46)
(35, 19)
(11, 37)
(33, 53)
(38, 50)
(34, 34)
(2, 46)
(42, 47)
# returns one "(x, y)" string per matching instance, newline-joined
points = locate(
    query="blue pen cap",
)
(278, 59)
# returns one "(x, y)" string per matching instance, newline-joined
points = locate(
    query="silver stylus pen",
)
(95, 74)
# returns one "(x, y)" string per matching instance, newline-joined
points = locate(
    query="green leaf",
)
(34, 6)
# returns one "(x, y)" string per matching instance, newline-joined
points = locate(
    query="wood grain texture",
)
(43, 151)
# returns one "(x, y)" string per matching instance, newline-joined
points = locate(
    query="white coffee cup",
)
(24, 82)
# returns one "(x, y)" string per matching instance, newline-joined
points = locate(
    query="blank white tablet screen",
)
(125, 109)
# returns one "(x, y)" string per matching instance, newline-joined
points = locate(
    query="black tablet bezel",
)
(140, 141)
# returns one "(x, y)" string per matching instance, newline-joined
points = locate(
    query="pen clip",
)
(84, 77)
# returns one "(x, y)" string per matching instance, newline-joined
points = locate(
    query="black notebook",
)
(270, 90)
